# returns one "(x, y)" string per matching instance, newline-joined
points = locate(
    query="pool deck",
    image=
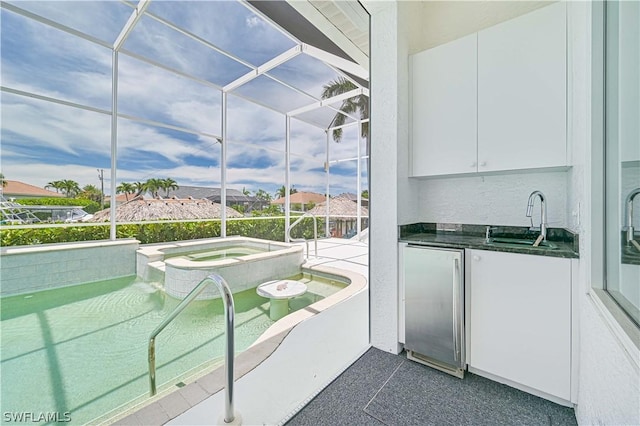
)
(351, 255)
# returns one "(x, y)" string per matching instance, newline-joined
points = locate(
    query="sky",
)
(43, 141)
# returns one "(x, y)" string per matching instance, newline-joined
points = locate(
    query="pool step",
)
(155, 271)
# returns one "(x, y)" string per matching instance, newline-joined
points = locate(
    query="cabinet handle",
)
(473, 164)
(483, 163)
(456, 326)
(476, 258)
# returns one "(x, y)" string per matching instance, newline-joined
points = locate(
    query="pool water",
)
(82, 350)
(223, 253)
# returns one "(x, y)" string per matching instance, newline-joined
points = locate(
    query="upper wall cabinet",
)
(444, 94)
(494, 100)
(522, 92)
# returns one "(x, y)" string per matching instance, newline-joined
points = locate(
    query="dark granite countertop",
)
(461, 236)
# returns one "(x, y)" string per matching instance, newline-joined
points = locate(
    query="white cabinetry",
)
(519, 320)
(444, 113)
(494, 100)
(522, 92)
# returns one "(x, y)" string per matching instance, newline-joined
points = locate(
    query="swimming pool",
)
(222, 253)
(81, 350)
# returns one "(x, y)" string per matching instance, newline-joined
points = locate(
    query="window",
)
(622, 155)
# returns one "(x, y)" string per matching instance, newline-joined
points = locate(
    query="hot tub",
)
(243, 262)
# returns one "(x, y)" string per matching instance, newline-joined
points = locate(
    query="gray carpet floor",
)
(386, 389)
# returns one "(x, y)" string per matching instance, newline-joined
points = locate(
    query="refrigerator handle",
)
(456, 327)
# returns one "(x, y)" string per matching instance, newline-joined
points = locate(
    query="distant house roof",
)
(339, 206)
(169, 209)
(17, 189)
(350, 195)
(302, 198)
(354, 197)
(120, 198)
(212, 194)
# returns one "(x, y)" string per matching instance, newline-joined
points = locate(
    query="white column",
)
(327, 168)
(114, 142)
(359, 181)
(287, 171)
(386, 96)
(223, 169)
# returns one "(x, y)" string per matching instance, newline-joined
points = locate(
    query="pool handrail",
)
(299, 240)
(229, 313)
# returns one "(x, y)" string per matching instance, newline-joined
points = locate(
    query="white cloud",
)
(253, 21)
(52, 126)
(41, 173)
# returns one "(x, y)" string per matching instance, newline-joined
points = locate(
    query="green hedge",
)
(156, 232)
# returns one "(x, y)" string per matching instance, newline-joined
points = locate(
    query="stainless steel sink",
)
(520, 243)
(631, 251)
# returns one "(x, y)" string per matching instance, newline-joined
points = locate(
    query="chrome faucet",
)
(543, 212)
(629, 206)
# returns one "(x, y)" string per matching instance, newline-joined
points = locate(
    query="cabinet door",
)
(520, 319)
(522, 92)
(444, 108)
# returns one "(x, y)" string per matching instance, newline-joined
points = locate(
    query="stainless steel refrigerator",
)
(434, 307)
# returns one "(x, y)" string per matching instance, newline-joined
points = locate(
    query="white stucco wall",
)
(609, 380)
(392, 193)
(383, 234)
(408, 209)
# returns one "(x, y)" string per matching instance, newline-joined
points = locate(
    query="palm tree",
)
(282, 190)
(126, 189)
(263, 195)
(56, 184)
(355, 105)
(3, 180)
(245, 191)
(153, 185)
(70, 188)
(140, 188)
(168, 184)
(91, 192)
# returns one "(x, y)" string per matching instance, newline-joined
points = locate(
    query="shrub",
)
(156, 232)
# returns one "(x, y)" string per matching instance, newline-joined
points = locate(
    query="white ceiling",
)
(345, 22)
(349, 17)
(433, 23)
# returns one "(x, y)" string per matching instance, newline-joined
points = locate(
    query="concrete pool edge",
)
(182, 400)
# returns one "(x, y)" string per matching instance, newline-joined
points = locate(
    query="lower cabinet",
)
(519, 319)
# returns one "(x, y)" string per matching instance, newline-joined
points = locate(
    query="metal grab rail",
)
(299, 240)
(229, 312)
